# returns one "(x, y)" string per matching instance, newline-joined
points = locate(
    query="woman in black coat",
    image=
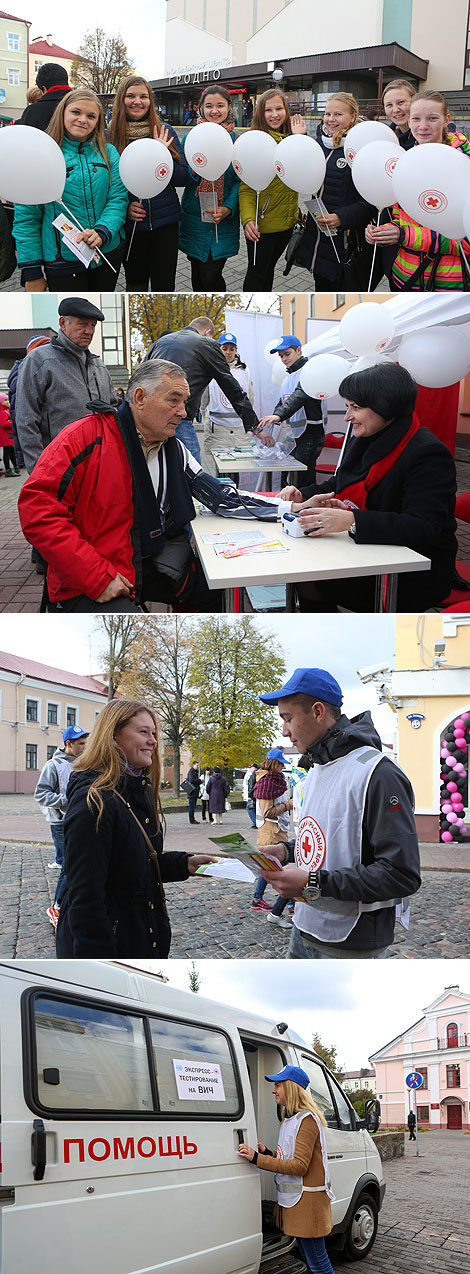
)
(115, 901)
(396, 484)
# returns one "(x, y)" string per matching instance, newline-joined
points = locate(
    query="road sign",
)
(414, 1080)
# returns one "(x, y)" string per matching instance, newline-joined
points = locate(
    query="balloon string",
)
(128, 253)
(216, 231)
(79, 224)
(256, 223)
(328, 229)
(380, 210)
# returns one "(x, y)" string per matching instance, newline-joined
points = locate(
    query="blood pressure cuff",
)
(225, 499)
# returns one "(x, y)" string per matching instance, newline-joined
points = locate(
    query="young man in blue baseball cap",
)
(355, 859)
(306, 415)
(51, 794)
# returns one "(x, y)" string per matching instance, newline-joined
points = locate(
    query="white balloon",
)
(300, 163)
(369, 360)
(146, 167)
(366, 329)
(372, 171)
(279, 372)
(436, 356)
(254, 158)
(272, 345)
(369, 131)
(209, 150)
(321, 376)
(432, 183)
(32, 166)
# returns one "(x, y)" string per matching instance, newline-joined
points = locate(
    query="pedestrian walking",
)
(7, 440)
(193, 784)
(411, 1121)
(205, 812)
(273, 806)
(51, 795)
(218, 790)
(300, 1164)
(249, 781)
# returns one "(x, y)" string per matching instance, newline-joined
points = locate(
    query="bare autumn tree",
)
(101, 62)
(120, 632)
(158, 670)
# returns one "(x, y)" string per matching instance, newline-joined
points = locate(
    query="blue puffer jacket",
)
(197, 237)
(339, 195)
(164, 209)
(88, 194)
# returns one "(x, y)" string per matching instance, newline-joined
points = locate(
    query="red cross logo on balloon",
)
(390, 166)
(350, 154)
(162, 171)
(432, 200)
(200, 160)
(381, 345)
(280, 168)
(310, 846)
(238, 167)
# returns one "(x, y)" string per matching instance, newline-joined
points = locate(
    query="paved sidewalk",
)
(21, 587)
(210, 918)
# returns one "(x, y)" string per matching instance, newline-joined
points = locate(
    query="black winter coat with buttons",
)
(339, 195)
(114, 905)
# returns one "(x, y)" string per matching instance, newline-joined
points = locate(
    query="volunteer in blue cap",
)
(223, 427)
(302, 1179)
(355, 859)
(306, 415)
(273, 805)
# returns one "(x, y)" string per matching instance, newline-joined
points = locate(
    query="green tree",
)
(232, 663)
(153, 314)
(358, 1100)
(158, 670)
(194, 977)
(329, 1055)
(101, 62)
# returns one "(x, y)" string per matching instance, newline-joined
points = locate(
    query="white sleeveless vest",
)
(329, 836)
(290, 1189)
(221, 411)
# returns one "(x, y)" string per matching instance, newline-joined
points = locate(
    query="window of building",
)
(50, 751)
(423, 1070)
(31, 756)
(53, 714)
(452, 1034)
(13, 77)
(13, 41)
(292, 316)
(32, 709)
(422, 1113)
(339, 299)
(453, 1076)
(37, 65)
(71, 715)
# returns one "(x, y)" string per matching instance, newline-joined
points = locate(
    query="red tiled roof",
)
(54, 50)
(58, 676)
(14, 18)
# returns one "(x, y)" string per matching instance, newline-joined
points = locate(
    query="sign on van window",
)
(198, 1080)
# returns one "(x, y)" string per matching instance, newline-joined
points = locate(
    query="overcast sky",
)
(141, 26)
(357, 1006)
(340, 643)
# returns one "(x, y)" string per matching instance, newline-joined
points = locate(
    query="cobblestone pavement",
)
(210, 919)
(424, 1225)
(21, 587)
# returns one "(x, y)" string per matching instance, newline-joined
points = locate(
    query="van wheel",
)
(362, 1228)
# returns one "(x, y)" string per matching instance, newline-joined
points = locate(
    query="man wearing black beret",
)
(53, 82)
(56, 382)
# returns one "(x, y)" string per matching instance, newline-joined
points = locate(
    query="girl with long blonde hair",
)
(94, 197)
(152, 223)
(278, 206)
(300, 1164)
(113, 843)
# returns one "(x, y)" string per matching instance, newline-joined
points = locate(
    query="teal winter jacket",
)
(96, 203)
(197, 237)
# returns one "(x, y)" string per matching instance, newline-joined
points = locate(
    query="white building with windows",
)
(438, 1047)
(14, 37)
(37, 703)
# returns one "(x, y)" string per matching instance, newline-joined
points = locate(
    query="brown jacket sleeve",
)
(304, 1147)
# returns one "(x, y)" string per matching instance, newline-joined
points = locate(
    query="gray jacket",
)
(55, 384)
(52, 785)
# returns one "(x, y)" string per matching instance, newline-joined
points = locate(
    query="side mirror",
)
(372, 1114)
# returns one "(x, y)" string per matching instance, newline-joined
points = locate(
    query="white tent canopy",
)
(410, 314)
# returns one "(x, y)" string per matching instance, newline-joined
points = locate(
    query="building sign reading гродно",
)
(200, 1081)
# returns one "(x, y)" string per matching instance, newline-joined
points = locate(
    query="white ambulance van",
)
(123, 1102)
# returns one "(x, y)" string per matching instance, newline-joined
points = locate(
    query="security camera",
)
(373, 670)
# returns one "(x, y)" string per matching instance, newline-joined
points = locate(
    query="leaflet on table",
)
(231, 869)
(249, 550)
(232, 537)
(234, 843)
(70, 235)
(235, 453)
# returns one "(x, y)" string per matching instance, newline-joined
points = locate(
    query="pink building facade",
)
(438, 1046)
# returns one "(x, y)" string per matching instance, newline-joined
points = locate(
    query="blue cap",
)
(287, 342)
(227, 338)
(294, 1073)
(308, 681)
(74, 732)
(276, 754)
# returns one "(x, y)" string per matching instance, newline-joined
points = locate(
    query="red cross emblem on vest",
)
(310, 846)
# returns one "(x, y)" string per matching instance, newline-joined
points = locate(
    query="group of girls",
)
(145, 235)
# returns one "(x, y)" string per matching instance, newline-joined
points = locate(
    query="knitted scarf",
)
(137, 128)
(365, 466)
(269, 786)
(218, 185)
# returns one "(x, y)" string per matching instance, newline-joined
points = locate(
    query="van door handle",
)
(38, 1149)
(241, 1136)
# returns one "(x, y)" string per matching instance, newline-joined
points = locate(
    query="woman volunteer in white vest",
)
(301, 1166)
(223, 428)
